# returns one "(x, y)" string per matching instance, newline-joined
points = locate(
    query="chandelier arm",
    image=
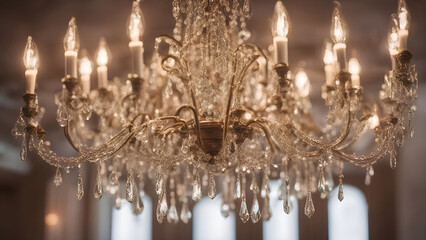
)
(197, 122)
(68, 137)
(166, 38)
(266, 131)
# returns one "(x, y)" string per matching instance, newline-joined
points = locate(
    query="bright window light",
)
(208, 222)
(348, 219)
(125, 225)
(280, 225)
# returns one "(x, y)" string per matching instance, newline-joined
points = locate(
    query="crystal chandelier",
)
(212, 111)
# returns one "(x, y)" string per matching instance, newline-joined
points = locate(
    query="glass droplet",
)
(244, 214)
(80, 189)
(196, 187)
(58, 178)
(172, 216)
(340, 195)
(137, 205)
(212, 187)
(130, 187)
(185, 214)
(309, 206)
(98, 185)
(162, 208)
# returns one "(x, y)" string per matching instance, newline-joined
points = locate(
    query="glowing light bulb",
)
(339, 31)
(102, 53)
(373, 121)
(354, 67)
(72, 40)
(403, 15)
(135, 24)
(85, 66)
(328, 54)
(51, 219)
(302, 83)
(393, 42)
(31, 59)
(280, 21)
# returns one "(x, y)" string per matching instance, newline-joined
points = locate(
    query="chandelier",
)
(213, 113)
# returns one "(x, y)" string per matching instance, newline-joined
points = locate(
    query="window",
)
(208, 222)
(348, 219)
(280, 225)
(125, 225)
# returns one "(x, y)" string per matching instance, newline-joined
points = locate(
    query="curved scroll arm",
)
(266, 131)
(197, 122)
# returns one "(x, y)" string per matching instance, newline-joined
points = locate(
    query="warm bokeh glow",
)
(393, 38)
(51, 219)
(31, 59)
(339, 31)
(354, 67)
(328, 54)
(102, 55)
(135, 25)
(280, 21)
(72, 40)
(302, 83)
(85, 66)
(403, 15)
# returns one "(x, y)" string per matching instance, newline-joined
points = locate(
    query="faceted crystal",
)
(255, 210)
(58, 178)
(62, 116)
(244, 213)
(340, 195)
(130, 188)
(98, 184)
(172, 216)
(196, 188)
(185, 214)
(80, 190)
(309, 206)
(162, 208)
(212, 187)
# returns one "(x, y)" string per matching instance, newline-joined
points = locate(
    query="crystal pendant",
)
(80, 190)
(309, 206)
(321, 183)
(392, 158)
(185, 214)
(266, 211)
(286, 205)
(162, 208)
(98, 185)
(58, 178)
(159, 184)
(244, 214)
(238, 187)
(24, 147)
(265, 189)
(172, 216)
(212, 187)
(130, 188)
(62, 116)
(196, 188)
(255, 210)
(340, 195)
(137, 205)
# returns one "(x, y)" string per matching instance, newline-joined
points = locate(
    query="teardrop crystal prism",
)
(80, 189)
(212, 187)
(58, 178)
(185, 214)
(196, 188)
(162, 208)
(244, 213)
(130, 188)
(137, 205)
(98, 185)
(340, 195)
(309, 206)
(255, 210)
(172, 216)
(159, 184)
(286, 205)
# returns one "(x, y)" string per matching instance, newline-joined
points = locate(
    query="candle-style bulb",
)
(102, 54)
(136, 22)
(403, 15)
(85, 64)
(302, 83)
(72, 40)
(280, 21)
(339, 29)
(354, 67)
(31, 59)
(393, 42)
(328, 54)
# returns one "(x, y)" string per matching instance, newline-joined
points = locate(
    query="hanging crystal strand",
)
(130, 187)
(24, 147)
(172, 216)
(159, 181)
(309, 205)
(255, 210)
(196, 185)
(185, 214)
(287, 189)
(238, 186)
(265, 189)
(340, 195)
(369, 173)
(98, 185)
(392, 157)
(247, 9)
(244, 213)
(58, 177)
(212, 187)
(224, 207)
(322, 187)
(80, 190)
(162, 205)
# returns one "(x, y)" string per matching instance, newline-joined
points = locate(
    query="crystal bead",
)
(80, 189)
(212, 187)
(58, 178)
(185, 214)
(309, 206)
(244, 213)
(172, 216)
(255, 210)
